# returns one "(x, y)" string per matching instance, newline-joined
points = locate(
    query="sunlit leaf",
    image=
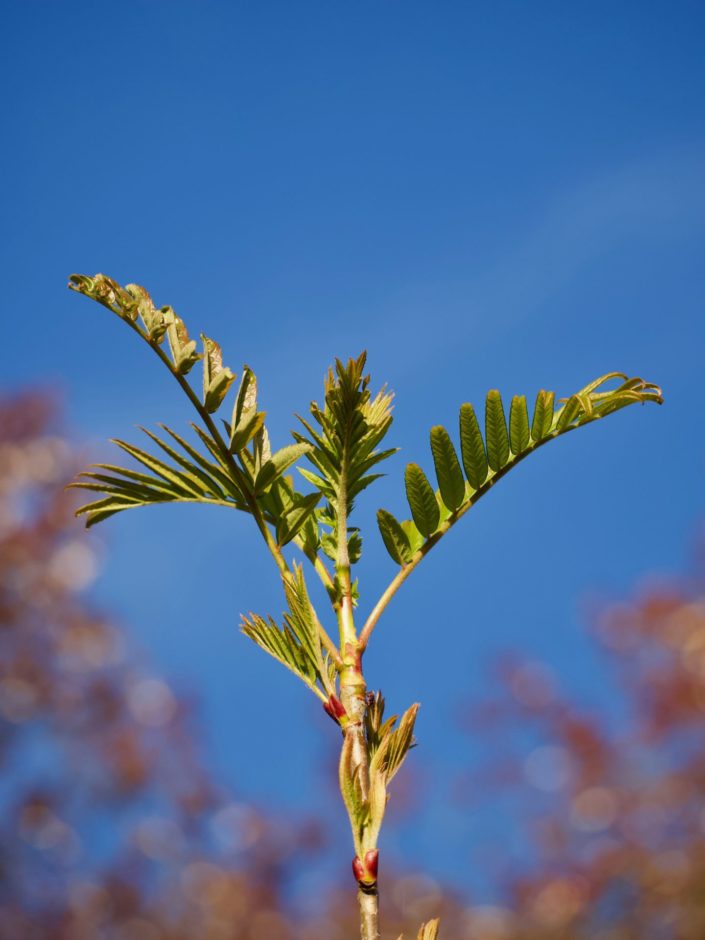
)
(472, 447)
(217, 378)
(394, 537)
(496, 431)
(450, 477)
(422, 500)
(542, 420)
(519, 436)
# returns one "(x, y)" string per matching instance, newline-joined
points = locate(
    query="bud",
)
(334, 707)
(366, 872)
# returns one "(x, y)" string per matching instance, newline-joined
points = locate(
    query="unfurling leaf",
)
(350, 787)
(422, 500)
(395, 539)
(278, 464)
(182, 348)
(429, 931)
(568, 413)
(107, 292)
(450, 477)
(217, 378)
(153, 319)
(344, 437)
(295, 518)
(297, 645)
(251, 423)
(246, 420)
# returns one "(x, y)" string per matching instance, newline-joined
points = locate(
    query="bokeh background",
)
(481, 195)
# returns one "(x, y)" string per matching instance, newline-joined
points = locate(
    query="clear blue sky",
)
(483, 195)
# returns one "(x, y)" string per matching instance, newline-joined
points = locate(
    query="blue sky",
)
(482, 195)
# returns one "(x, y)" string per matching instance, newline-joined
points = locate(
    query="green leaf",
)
(472, 447)
(568, 413)
(519, 436)
(107, 292)
(182, 348)
(415, 538)
(294, 519)
(351, 790)
(585, 406)
(180, 482)
(344, 445)
(252, 422)
(219, 471)
(297, 645)
(450, 477)
(246, 400)
(422, 500)
(281, 645)
(496, 431)
(394, 537)
(217, 378)
(354, 546)
(207, 483)
(104, 508)
(542, 421)
(278, 464)
(153, 319)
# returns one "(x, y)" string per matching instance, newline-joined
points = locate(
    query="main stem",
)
(352, 695)
(353, 698)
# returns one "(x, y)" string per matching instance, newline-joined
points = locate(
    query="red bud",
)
(372, 862)
(334, 708)
(358, 868)
(366, 872)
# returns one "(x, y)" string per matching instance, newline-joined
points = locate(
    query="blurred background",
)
(481, 195)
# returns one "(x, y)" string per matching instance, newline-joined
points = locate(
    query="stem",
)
(323, 573)
(352, 694)
(368, 902)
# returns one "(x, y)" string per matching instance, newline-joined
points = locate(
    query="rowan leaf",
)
(183, 349)
(217, 378)
(294, 519)
(519, 436)
(451, 482)
(496, 431)
(394, 538)
(542, 420)
(422, 500)
(472, 447)
(278, 464)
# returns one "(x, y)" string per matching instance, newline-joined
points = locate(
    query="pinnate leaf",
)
(496, 431)
(217, 378)
(450, 477)
(519, 437)
(422, 500)
(395, 539)
(542, 420)
(472, 447)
